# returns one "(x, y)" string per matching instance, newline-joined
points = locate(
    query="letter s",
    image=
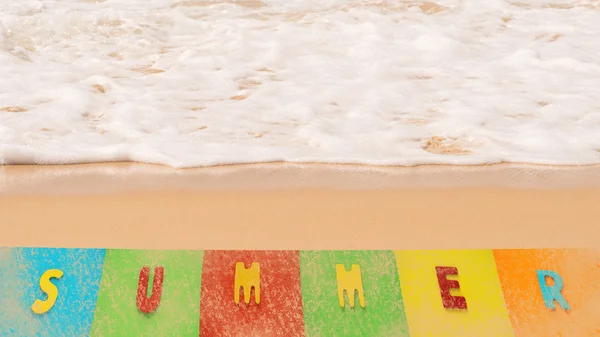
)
(40, 307)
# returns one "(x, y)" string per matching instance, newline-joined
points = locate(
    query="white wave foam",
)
(201, 82)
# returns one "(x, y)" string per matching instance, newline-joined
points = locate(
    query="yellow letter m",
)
(351, 282)
(247, 278)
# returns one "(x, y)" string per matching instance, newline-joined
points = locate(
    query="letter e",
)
(449, 301)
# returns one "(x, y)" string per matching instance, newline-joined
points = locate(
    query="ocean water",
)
(206, 82)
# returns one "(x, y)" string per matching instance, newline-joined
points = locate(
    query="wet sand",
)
(285, 206)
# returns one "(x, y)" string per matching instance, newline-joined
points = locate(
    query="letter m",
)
(246, 279)
(351, 282)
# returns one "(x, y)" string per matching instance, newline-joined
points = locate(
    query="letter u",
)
(149, 304)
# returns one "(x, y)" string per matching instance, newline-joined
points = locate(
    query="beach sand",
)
(290, 206)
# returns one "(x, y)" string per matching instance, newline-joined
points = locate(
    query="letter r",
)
(552, 293)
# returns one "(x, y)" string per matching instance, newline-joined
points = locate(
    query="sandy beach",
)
(301, 223)
(440, 160)
(285, 206)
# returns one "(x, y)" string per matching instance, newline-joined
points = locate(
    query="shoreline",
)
(299, 207)
(129, 176)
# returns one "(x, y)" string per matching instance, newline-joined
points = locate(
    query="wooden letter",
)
(552, 293)
(149, 304)
(449, 301)
(247, 279)
(40, 307)
(351, 282)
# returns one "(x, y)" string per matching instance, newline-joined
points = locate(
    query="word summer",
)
(228, 293)
(349, 284)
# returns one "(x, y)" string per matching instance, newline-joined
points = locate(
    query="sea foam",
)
(201, 82)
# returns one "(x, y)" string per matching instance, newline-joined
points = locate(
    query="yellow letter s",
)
(40, 307)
